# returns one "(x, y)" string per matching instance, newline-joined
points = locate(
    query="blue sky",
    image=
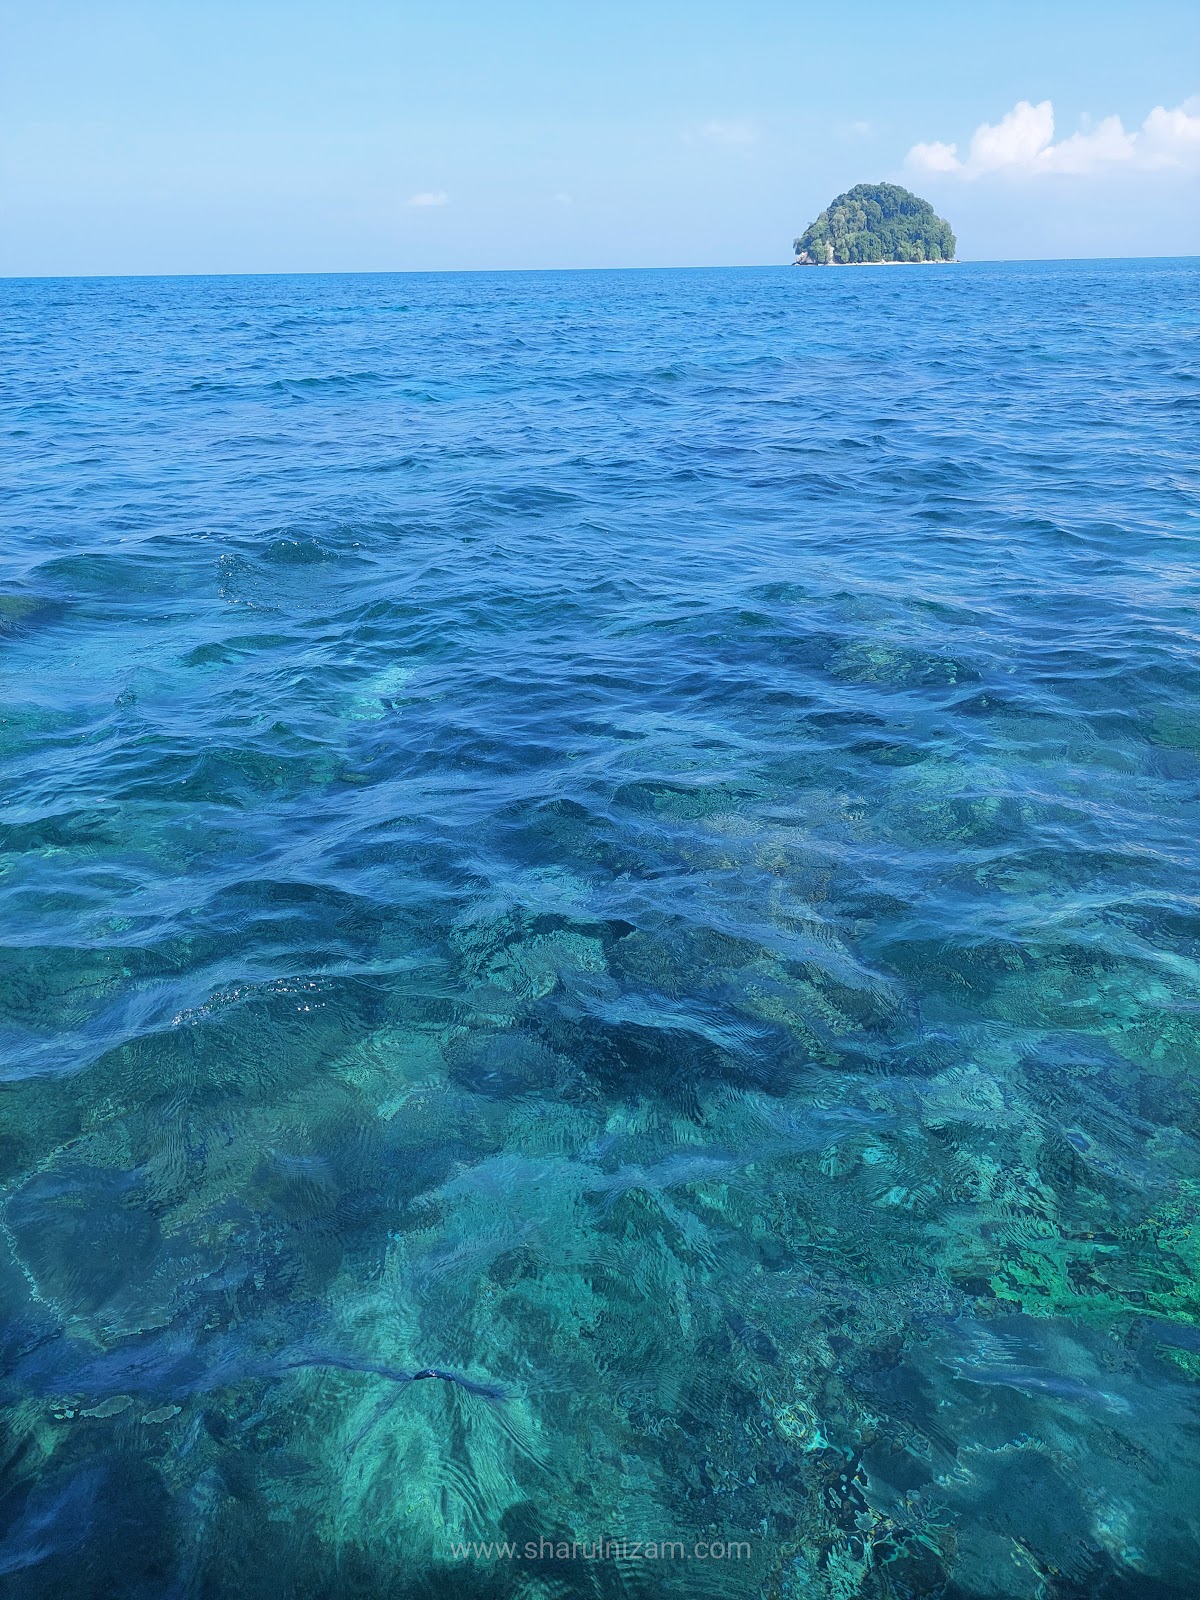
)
(261, 136)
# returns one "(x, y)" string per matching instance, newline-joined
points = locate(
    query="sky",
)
(172, 136)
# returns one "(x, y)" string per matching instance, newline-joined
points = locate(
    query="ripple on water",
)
(628, 837)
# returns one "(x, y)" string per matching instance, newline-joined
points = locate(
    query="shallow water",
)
(630, 838)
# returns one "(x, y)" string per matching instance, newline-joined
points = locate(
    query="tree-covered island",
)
(875, 222)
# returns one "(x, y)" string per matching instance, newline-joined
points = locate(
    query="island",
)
(875, 222)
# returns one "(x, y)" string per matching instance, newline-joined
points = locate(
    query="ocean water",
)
(628, 841)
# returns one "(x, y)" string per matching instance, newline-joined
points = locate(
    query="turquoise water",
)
(629, 838)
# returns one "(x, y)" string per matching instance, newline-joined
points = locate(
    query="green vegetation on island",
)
(875, 222)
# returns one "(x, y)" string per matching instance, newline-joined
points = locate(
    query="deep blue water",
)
(631, 838)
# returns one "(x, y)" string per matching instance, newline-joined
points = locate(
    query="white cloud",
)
(441, 198)
(935, 157)
(1023, 142)
(1015, 140)
(1105, 145)
(1172, 138)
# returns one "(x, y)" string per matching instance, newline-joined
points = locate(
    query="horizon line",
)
(433, 272)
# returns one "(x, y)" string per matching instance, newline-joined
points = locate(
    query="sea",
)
(600, 987)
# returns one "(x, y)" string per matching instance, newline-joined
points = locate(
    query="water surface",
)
(630, 838)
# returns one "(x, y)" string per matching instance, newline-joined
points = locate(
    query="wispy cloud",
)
(734, 135)
(441, 198)
(1022, 142)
